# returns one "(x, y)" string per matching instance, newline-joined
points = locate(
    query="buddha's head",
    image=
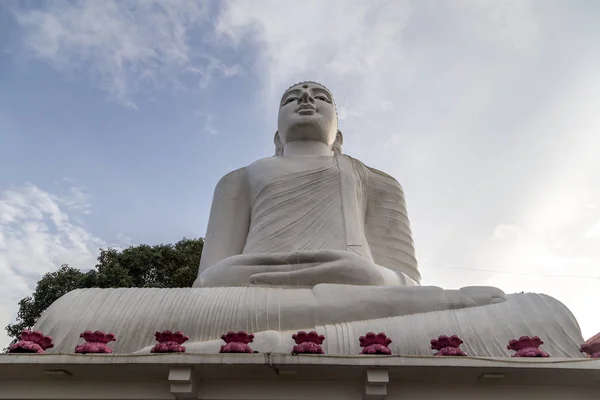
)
(307, 112)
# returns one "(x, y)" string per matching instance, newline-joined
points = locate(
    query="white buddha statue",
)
(309, 215)
(311, 239)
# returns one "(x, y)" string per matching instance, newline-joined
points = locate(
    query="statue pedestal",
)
(286, 377)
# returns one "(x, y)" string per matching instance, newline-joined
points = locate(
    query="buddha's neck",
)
(305, 148)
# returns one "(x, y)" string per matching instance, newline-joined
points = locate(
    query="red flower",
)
(593, 349)
(237, 342)
(527, 346)
(375, 343)
(96, 342)
(308, 343)
(169, 342)
(311, 336)
(447, 346)
(31, 342)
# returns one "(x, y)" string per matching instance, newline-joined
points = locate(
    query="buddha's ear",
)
(337, 144)
(278, 144)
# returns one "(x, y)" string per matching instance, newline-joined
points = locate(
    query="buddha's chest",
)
(299, 203)
(293, 176)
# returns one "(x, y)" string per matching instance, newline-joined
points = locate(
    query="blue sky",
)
(117, 118)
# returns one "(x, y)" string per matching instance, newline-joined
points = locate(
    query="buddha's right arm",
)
(229, 220)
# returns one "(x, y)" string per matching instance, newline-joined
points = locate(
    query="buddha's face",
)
(307, 112)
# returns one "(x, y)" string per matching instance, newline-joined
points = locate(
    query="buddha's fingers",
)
(240, 275)
(337, 272)
(473, 296)
(335, 264)
(298, 258)
(484, 295)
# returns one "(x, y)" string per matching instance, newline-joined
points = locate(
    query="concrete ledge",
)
(213, 366)
(288, 359)
(284, 376)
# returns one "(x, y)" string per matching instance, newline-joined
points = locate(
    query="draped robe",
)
(305, 206)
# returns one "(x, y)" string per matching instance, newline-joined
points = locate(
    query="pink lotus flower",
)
(375, 343)
(527, 346)
(31, 342)
(169, 342)
(237, 342)
(447, 346)
(96, 342)
(308, 343)
(593, 349)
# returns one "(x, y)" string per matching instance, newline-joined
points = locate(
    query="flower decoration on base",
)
(592, 348)
(31, 342)
(375, 343)
(237, 342)
(169, 342)
(308, 343)
(527, 346)
(447, 346)
(95, 343)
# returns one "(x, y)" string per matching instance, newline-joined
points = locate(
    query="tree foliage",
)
(159, 266)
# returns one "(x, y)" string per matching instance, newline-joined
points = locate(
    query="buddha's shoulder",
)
(233, 177)
(374, 173)
(241, 174)
(287, 163)
(274, 163)
(264, 162)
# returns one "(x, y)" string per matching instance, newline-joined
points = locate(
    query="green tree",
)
(163, 266)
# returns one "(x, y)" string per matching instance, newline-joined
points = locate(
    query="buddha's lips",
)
(305, 107)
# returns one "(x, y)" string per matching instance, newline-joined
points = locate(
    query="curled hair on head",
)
(309, 82)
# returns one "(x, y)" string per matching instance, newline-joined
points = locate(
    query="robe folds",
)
(305, 207)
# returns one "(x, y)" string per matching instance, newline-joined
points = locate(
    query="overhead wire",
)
(513, 272)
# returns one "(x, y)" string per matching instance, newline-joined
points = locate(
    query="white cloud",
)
(75, 196)
(37, 235)
(593, 231)
(208, 127)
(329, 41)
(214, 67)
(505, 23)
(362, 50)
(125, 46)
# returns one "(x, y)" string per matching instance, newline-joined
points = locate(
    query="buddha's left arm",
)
(387, 227)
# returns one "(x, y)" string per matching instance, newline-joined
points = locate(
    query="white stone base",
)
(286, 377)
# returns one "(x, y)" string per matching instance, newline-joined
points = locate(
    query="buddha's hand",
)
(300, 269)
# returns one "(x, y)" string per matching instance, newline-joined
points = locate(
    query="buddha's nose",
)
(306, 98)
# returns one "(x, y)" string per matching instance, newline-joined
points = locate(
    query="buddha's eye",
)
(323, 98)
(289, 100)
